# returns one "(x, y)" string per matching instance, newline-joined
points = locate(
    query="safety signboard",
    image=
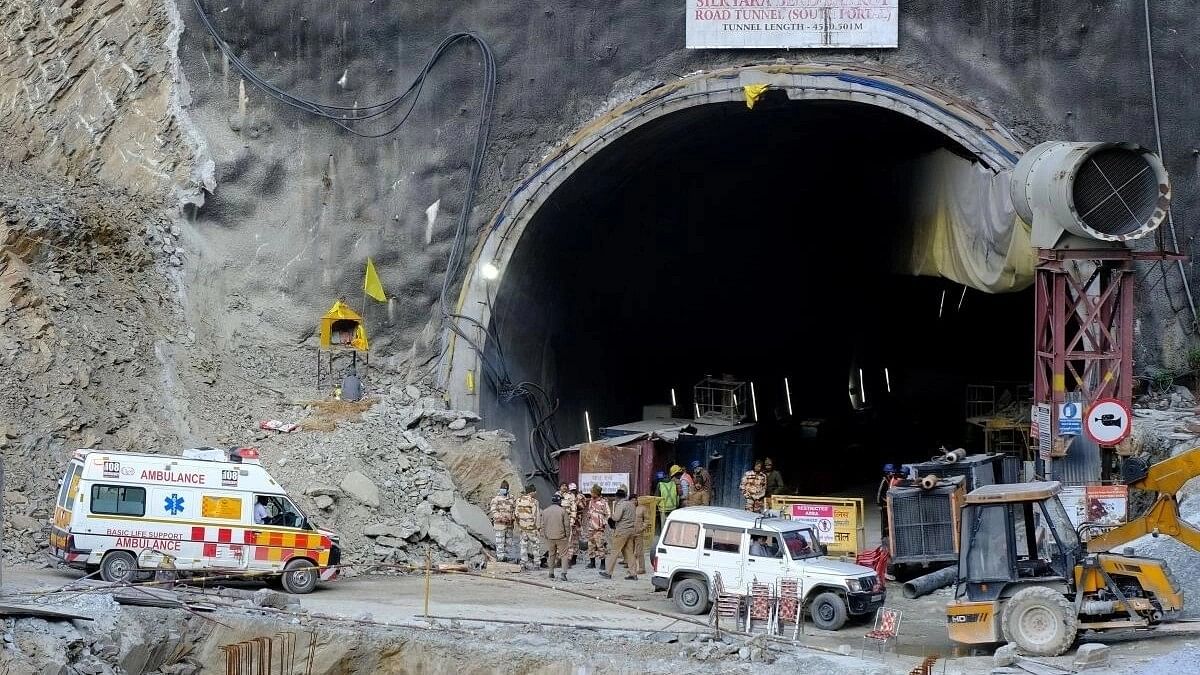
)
(819, 516)
(1070, 419)
(1041, 422)
(1108, 422)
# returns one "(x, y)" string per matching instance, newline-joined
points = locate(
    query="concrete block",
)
(1091, 655)
(1005, 656)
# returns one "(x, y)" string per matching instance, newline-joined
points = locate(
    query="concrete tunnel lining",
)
(971, 133)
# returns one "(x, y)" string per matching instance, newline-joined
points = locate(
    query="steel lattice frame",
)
(1083, 326)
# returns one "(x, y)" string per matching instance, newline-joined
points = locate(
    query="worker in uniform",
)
(597, 520)
(569, 499)
(641, 528)
(754, 487)
(581, 511)
(774, 479)
(668, 497)
(701, 485)
(502, 509)
(683, 482)
(555, 528)
(891, 478)
(623, 522)
(528, 513)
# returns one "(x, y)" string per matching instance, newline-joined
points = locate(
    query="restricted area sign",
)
(1108, 422)
(819, 516)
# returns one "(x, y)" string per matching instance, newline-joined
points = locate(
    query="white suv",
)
(700, 541)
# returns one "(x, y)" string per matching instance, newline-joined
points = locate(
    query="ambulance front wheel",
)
(300, 577)
(119, 567)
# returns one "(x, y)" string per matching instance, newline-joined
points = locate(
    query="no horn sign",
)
(1108, 422)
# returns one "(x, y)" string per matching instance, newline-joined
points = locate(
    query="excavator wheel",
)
(1040, 621)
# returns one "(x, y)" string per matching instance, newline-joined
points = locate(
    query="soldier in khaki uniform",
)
(702, 488)
(597, 519)
(641, 527)
(555, 527)
(624, 531)
(754, 487)
(502, 509)
(529, 513)
(569, 498)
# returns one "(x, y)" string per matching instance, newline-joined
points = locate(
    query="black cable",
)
(539, 404)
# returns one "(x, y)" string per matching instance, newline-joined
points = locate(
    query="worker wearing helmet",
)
(701, 485)
(668, 496)
(683, 483)
(891, 478)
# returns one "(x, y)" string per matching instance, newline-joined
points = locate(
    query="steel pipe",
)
(929, 583)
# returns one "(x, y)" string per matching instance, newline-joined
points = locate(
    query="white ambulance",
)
(210, 511)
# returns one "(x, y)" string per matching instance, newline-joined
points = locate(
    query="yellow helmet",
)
(675, 469)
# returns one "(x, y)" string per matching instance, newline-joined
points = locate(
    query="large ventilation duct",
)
(1111, 192)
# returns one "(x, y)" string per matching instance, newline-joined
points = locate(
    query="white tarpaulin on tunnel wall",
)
(963, 226)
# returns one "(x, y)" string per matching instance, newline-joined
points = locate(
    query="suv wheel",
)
(690, 596)
(828, 611)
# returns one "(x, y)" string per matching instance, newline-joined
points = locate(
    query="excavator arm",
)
(1166, 478)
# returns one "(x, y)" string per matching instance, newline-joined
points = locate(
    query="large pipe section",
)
(1112, 192)
(915, 588)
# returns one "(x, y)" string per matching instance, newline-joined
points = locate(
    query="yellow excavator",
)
(1025, 577)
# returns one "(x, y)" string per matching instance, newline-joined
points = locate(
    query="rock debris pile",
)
(387, 481)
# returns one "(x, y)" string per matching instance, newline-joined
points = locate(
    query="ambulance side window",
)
(118, 500)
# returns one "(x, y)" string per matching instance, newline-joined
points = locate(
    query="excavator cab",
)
(1025, 577)
(1016, 568)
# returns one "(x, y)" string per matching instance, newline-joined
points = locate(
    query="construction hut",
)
(341, 334)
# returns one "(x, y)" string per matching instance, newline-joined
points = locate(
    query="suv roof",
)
(721, 516)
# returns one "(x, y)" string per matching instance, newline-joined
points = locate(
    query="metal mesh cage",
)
(923, 524)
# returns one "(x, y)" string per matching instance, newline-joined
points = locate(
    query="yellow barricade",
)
(839, 521)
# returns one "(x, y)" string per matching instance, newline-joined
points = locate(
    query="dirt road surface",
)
(400, 600)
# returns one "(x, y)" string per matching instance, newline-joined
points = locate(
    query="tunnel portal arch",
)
(459, 373)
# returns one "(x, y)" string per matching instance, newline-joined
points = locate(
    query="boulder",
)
(1091, 655)
(443, 499)
(453, 537)
(390, 542)
(473, 519)
(323, 502)
(323, 491)
(23, 522)
(402, 530)
(1005, 656)
(265, 597)
(412, 392)
(361, 489)
(457, 424)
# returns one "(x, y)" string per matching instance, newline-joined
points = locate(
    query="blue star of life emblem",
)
(173, 504)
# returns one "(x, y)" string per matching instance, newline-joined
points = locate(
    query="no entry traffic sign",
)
(1108, 422)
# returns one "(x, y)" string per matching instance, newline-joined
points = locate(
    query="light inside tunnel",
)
(759, 244)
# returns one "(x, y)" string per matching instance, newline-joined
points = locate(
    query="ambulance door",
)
(226, 526)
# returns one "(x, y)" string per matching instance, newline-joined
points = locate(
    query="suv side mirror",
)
(822, 549)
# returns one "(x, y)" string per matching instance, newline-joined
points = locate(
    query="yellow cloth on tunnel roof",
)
(753, 93)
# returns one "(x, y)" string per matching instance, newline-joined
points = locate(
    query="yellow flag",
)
(753, 92)
(371, 285)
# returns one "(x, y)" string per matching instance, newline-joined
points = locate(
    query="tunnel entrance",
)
(759, 244)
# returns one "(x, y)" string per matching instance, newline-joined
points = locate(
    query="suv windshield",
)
(801, 544)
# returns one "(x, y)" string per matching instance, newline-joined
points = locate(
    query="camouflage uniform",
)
(597, 520)
(754, 489)
(528, 512)
(501, 509)
(570, 504)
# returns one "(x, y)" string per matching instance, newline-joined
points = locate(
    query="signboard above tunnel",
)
(811, 24)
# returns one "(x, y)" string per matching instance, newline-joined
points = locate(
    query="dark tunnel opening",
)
(760, 244)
